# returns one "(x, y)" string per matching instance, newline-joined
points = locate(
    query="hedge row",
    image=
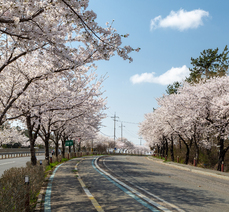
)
(15, 195)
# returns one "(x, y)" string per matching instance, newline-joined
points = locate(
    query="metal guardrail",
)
(6, 155)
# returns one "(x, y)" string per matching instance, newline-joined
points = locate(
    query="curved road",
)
(130, 183)
(186, 190)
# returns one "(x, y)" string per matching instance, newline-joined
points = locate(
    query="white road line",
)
(88, 193)
(133, 190)
(7, 163)
(105, 174)
(171, 205)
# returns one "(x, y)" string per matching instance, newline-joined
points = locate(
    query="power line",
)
(110, 112)
(128, 122)
(105, 134)
(131, 133)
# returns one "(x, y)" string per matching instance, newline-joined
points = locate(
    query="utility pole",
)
(122, 131)
(140, 141)
(115, 119)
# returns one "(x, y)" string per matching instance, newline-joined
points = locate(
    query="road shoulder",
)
(198, 170)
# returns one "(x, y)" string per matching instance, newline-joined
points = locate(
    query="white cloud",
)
(169, 77)
(180, 20)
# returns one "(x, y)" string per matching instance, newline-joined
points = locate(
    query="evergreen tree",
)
(209, 64)
(171, 89)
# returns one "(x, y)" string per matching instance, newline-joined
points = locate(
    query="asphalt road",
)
(186, 190)
(108, 195)
(15, 162)
(66, 192)
(130, 183)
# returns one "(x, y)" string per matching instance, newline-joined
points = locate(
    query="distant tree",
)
(209, 64)
(12, 138)
(171, 89)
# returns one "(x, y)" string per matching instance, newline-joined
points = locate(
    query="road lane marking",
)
(90, 196)
(170, 204)
(88, 193)
(141, 195)
(122, 186)
(47, 204)
(7, 163)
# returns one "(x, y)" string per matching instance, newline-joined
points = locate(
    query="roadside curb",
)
(203, 172)
(40, 199)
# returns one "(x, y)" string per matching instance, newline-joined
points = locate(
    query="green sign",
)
(69, 143)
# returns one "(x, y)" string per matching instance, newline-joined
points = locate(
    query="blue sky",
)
(169, 33)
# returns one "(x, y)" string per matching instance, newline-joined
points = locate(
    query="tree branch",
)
(10, 21)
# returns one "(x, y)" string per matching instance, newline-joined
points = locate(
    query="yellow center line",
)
(93, 200)
(88, 193)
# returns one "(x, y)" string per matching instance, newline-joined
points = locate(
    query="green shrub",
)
(14, 192)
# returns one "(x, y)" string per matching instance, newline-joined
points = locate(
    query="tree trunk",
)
(57, 148)
(74, 149)
(180, 144)
(187, 150)
(158, 149)
(32, 139)
(171, 150)
(79, 146)
(63, 147)
(221, 153)
(163, 150)
(187, 153)
(166, 147)
(46, 141)
(56, 142)
(197, 150)
(221, 158)
(32, 152)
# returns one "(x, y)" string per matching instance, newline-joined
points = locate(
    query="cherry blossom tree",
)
(156, 131)
(141, 149)
(194, 114)
(212, 108)
(51, 25)
(12, 136)
(45, 39)
(103, 142)
(32, 29)
(59, 99)
(124, 144)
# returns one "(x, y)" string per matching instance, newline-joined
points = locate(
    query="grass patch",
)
(64, 160)
(51, 165)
